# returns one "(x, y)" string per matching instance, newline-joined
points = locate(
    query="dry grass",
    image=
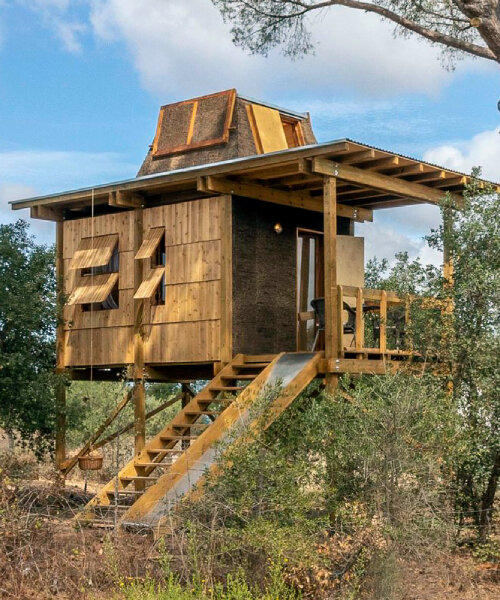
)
(42, 555)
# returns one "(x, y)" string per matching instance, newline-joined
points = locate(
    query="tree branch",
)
(302, 8)
(430, 34)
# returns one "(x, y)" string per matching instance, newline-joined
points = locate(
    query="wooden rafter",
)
(296, 199)
(407, 189)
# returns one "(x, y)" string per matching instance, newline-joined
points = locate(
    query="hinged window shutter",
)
(150, 243)
(267, 128)
(94, 252)
(149, 285)
(93, 289)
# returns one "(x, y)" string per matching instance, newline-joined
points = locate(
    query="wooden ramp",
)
(176, 459)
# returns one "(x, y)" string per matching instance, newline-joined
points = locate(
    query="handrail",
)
(380, 302)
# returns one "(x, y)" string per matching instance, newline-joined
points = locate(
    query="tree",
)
(464, 26)
(27, 329)
(473, 238)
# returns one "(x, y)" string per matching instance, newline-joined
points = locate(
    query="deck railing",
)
(376, 322)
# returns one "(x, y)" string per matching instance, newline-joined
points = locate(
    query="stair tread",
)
(256, 365)
(178, 437)
(139, 478)
(166, 450)
(227, 388)
(209, 413)
(153, 464)
(239, 376)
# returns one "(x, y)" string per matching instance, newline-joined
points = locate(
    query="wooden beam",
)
(124, 199)
(46, 213)
(138, 374)
(266, 194)
(226, 295)
(357, 157)
(378, 181)
(130, 426)
(60, 442)
(383, 163)
(97, 434)
(356, 365)
(330, 250)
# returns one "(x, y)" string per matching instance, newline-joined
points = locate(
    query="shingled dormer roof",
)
(220, 127)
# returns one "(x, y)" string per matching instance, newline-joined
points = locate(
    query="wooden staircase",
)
(174, 461)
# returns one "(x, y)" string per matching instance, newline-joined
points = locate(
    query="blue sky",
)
(81, 82)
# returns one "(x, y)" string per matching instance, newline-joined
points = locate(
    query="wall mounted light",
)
(278, 228)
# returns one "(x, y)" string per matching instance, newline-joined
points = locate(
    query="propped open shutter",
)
(150, 243)
(94, 252)
(267, 128)
(149, 285)
(93, 289)
(197, 123)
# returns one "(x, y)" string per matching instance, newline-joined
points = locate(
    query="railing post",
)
(340, 320)
(360, 322)
(383, 322)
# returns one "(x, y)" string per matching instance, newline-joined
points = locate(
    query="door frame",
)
(319, 273)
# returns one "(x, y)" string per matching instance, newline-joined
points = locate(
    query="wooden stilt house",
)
(231, 257)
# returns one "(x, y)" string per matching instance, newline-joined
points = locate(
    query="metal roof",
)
(354, 150)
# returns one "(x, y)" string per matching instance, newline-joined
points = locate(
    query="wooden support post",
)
(331, 294)
(138, 372)
(60, 446)
(185, 399)
(226, 295)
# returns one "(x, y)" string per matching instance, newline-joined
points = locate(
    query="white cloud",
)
(44, 231)
(54, 14)
(53, 171)
(31, 173)
(483, 150)
(69, 33)
(400, 229)
(184, 49)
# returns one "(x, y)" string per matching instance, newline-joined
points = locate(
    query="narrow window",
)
(158, 260)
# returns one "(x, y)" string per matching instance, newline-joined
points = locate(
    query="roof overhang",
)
(368, 178)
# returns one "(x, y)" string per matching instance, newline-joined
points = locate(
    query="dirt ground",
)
(43, 555)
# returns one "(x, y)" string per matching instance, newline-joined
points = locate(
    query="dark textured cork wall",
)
(264, 274)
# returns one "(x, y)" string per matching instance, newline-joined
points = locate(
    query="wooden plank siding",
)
(186, 328)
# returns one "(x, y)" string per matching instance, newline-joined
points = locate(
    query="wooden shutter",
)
(93, 289)
(94, 252)
(267, 128)
(150, 243)
(196, 123)
(149, 285)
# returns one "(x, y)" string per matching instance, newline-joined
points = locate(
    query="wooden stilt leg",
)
(331, 298)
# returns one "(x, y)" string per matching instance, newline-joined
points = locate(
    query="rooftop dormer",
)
(220, 127)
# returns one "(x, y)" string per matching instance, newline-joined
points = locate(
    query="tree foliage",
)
(473, 343)
(27, 331)
(464, 26)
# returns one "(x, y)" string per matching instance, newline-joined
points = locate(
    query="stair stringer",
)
(130, 469)
(188, 472)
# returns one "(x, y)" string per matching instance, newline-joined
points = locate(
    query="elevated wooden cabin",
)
(236, 220)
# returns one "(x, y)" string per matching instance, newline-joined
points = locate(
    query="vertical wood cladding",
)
(184, 329)
(264, 275)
